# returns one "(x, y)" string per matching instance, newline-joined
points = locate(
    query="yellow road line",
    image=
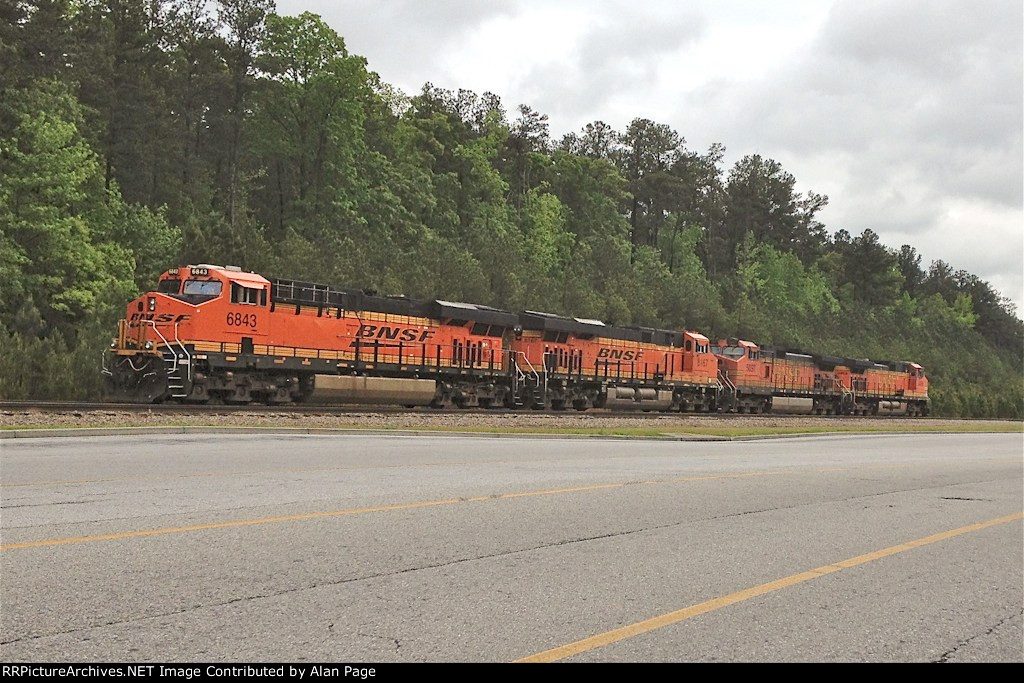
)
(648, 625)
(388, 508)
(227, 473)
(226, 525)
(311, 515)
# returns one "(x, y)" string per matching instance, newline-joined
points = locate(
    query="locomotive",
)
(218, 334)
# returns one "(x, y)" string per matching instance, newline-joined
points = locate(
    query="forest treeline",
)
(137, 135)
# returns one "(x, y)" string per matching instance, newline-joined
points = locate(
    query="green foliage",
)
(780, 299)
(70, 248)
(136, 136)
(55, 220)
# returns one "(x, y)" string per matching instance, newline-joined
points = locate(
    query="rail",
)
(195, 408)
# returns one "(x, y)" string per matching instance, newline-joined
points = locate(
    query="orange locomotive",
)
(585, 363)
(218, 333)
(211, 333)
(760, 380)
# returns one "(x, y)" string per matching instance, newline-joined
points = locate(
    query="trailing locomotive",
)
(761, 380)
(210, 333)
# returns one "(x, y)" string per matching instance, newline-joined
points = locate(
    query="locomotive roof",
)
(585, 327)
(653, 335)
(475, 312)
(313, 294)
(549, 322)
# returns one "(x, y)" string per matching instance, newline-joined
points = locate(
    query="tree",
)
(12, 17)
(810, 237)
(528, 135)
(872, 270)
(940, 280)
(649, 151)
(118, 67)
(35, 40)
(909, 262)
(245, 22)
(196, 88)
(597, 140)
(759, 199)
(698, 204)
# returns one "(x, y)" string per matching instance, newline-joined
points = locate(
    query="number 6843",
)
(240, 320)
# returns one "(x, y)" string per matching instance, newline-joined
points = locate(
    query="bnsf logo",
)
(159, 318)
(620, 354)
(396, 333)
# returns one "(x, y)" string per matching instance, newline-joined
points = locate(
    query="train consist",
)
(218, 334)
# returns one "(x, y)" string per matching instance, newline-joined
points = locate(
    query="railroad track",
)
(313, 409)
(84, 407)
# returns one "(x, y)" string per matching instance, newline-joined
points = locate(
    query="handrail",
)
(520, 375)
(533, 370)
(188, 356)
(836, 382)
(158, 333)
(178, 342)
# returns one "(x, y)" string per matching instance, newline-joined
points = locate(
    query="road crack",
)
(42, 505)
(944, 657)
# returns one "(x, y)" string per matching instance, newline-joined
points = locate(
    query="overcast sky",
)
(906, 113)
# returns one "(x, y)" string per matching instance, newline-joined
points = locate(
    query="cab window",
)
(202, 287)
(200, 291)
(244, 295)
(169, 286)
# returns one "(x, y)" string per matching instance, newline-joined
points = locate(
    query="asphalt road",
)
(264, 548)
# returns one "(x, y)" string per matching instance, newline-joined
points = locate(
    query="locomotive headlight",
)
(152, 303)
(148, 346)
